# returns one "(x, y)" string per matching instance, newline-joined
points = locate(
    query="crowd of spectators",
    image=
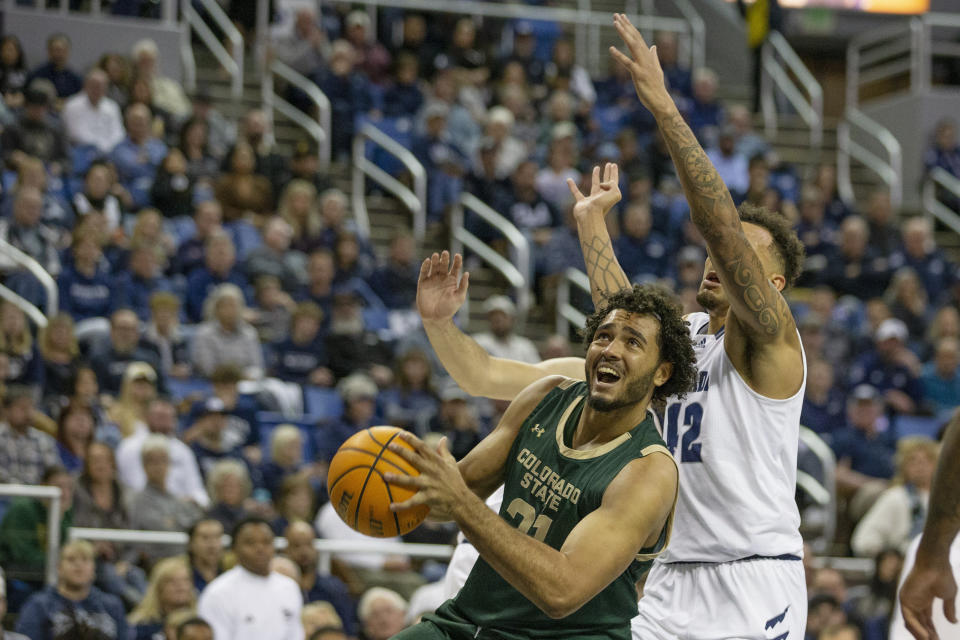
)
(224, 326)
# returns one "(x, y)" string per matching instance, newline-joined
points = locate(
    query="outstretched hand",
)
(440, 290)
(643, 65)
(603, 195)
(918, 592)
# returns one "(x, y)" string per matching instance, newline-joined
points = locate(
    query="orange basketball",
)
(358, 492)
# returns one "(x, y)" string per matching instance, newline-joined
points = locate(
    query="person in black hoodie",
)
(172, 191)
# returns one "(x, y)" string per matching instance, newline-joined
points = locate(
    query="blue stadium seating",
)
(325, 404)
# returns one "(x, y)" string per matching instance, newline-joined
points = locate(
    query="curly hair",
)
(789, 248)
(673, 338)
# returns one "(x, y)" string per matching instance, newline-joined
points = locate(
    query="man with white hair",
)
(305, 46)
(510, 152)
(91, 118)
(165, 92)
(382, 613)
(920, 252)
(500, 341)
(226, 338)
(274, 257)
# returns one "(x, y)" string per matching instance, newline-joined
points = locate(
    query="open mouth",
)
(712, 279)
(607, 375)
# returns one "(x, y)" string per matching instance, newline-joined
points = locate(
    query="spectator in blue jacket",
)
(207, 217)
(138, 155)
(889, 367)
(220, 267)
(706, 113)
(941, 377)
(404, 97)
(445, 164)
(359, 394)
(74, 603)
(65, 80)
(348, 91)
(920, 252)
(243, 428)
(110, 361)
(302, 357)
(315, 585)
(644, 254)
(85, 283)
(395, 282)
(865, 447)
(134, 287)
(823, 403)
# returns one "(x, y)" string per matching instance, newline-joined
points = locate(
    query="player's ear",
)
(779, 281)
(663, 373)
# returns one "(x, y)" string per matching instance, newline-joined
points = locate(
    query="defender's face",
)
(622, 360)
(711, 294)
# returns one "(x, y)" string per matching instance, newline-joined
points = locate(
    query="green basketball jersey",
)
(548, 489)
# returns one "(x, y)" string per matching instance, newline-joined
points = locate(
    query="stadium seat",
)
(325, 404)
(180, 389)
(917, 426)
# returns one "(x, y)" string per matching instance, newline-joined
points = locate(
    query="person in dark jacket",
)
(172, 191)
(302, 357)
(395, 282)
(349, 94)
(66, 81)
(404, 97)
(133, 288)
(85, 284)
(36, 134)
(220, 267)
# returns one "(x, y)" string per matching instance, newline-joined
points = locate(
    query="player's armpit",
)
(635, 507)
(482, 468)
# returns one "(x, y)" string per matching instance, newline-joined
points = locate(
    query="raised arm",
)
(931, 576)
(606, 275)
(754, 300)
(440, 293)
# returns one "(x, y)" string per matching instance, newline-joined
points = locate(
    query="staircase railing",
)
(15, 257)
(937, 181)
(783, 72)
(516, 271)
(53, 496)
(566, 312)
(887, 163)
(194, 23)
(414, 199)
(317, 128)
(822, 490)
(879, 56)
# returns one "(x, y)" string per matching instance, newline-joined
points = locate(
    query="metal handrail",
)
(53, 520)
(566, 312)
(827, 487)
(517, 272)
(318, 129)
(779, 61)
(231, 61)
(24, 305)
(697, 32)
(415, 200)
(49, 285)
(931, 204)
(890, 169)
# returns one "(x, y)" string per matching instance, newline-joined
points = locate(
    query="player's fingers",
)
(614, 173)
(464, 283)
(403, 480)
(622, 58)
(950, 609)
(577, 195)
(444, 262)
(595, 180)
(418, 499)
(630, 36)
(457, 264)
(434, 263)
(406, 454)
(443, 448)
(425, 269)
(914, 625)
(418, 445)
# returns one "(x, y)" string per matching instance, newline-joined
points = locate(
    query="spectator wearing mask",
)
(25, 452)
(249, 602)
(225, 338)
(898, 515)
(302, 357)
(891, 368)
(125, 345)
(940, 379)
(74, 603)
(315, 586)
(91, 118)
(395, 282)
(57, 70)
(26, 232)
(138, 155)
(500, 341)
(219, 268)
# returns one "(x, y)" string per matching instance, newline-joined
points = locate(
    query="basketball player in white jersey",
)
(733, 569)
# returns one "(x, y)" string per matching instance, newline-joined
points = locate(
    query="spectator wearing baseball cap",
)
(500, 341)
(891, 368)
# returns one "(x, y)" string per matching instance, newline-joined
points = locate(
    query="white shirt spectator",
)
(183, 479)
(241, 605)
(890, 522)
(513, 347)
(331, 527)
(99, 125)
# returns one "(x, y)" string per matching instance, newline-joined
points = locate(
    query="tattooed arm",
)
(606, 275)
(755, 301)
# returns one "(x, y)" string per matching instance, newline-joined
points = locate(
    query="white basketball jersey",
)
(737, 455)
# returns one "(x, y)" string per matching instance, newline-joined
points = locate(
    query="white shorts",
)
(755, 599)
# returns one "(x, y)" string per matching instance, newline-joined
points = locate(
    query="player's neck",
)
(597, 428)
(717, 320)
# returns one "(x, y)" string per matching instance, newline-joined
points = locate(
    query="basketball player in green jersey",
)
(589, 487)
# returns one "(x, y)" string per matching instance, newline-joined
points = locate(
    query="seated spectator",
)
(891, 368)
(202, 167)
(353, 266)
(59, 354)
(748, 142)
(65, 80)
(300, 209)
(274, 257)
(320, 620)
(823, 402)
(286, 459)
(826, 180)
(315, 586)
(134, 288)
(138, 155)
(303, 49)
(823, 612)
(86, 389)
(510, 152)
(91, 118)
(529, 211)
(706, 113)
(74, 435)
(163, 331)
(731, 165)
(940, 379)
(221, 132)
(372, 57)
(840, 632)
(125, 346)
(305, 165)
(907, 299)
(206, 223)
(296, 500)
(36, 134)
(184, 482)
(272, 311)
(897, 517)
(563, 73)
(56, 214)
(945, 152)
(457, 421)
(205, 551)
(334, 213)
(99, 198)
(13, 71)
(830, 582)
(74, 603)
(226, 338)
(170, 588)
(854, 268)
(242, 426)
(173, 186)
(85, 283)
(229, 486)
(27, 233)
(443, 161)
(382, 613)
(319, 287)
(345, 85)
(302, 357)
(153, 508)
(219, 268)
(884, 235)
(878, 605)
(359, 394)
(188, 627)
(209, 442)
(644, 254)
(25, 452)
(23, 530)
(271, 602)
(500, 341)
(138, 390)
(524, 51)
(411, 402)
(865, 447)
(24, 363)
(395, 282)
(920, 252)
(243, 194)
(148, 231)
(167, 93)
(351, 346)
(813, 229)
(403, 98)
(551, 181)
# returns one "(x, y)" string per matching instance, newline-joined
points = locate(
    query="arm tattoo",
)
(606, 276)
(756, 293)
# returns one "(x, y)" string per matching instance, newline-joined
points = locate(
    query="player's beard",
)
(635, 391)
(709, 300)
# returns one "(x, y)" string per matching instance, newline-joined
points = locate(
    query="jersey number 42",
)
(692, 418)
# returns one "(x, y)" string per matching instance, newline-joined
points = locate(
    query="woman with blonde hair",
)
(286, 458)
(908, 302)
(301, 209)
(170, 588)
(898, 514)
(24, 363)
(139, 387)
